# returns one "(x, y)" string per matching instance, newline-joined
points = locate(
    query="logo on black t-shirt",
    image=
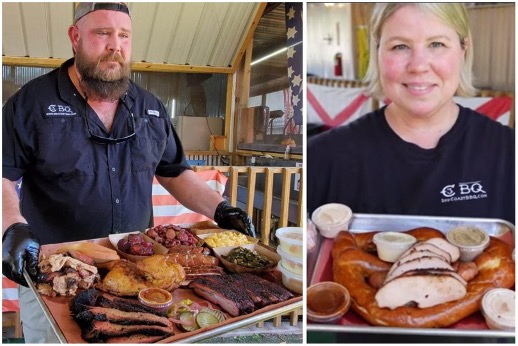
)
(463, 192)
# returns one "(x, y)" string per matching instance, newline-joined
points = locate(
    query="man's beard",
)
(106, 84)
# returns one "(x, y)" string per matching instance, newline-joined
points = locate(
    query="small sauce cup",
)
(156, 298)
(471, 241)
(391, 245)
(327, 302)
(498, 308)
(332, 218)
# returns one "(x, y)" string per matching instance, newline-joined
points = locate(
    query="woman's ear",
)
(464, 44)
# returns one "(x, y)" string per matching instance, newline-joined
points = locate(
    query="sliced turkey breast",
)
(445, 245)
(423, 288)
(412, 256)
(420, 263)
(428, 247)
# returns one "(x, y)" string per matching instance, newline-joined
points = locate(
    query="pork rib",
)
(219, 289)
(239, 294)
(263, 292)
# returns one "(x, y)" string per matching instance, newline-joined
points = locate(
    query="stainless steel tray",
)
(376, 222)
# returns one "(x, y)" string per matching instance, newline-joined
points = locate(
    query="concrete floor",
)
(285, 334)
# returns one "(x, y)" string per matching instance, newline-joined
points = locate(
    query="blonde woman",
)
(422, 154)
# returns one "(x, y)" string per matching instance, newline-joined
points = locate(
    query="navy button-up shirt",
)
(75, 189)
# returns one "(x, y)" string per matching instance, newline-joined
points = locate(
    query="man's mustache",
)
(113, 57)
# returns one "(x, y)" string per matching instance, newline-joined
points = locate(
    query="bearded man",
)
(87, 142)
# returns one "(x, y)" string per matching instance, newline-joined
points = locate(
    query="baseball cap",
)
(86, 7)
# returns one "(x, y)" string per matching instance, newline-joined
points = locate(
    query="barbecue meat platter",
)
(155, 286)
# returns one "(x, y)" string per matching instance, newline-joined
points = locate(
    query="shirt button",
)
(145, 120)
(62, 120)
(113, 169)
(117, 201)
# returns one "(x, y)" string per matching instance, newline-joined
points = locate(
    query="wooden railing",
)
(288, 173)
(210, 158)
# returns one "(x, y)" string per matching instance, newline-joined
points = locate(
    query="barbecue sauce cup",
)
(327, 302)
(156, 298)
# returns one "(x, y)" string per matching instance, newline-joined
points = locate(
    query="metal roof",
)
(195, 34)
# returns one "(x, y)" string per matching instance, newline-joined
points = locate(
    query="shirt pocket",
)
(64, 150)
(148, 145)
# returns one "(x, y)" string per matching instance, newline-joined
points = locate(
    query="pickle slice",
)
(188, 316)
(208, 316)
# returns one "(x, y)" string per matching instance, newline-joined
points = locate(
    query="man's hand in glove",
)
(20, 247)
(229, 217)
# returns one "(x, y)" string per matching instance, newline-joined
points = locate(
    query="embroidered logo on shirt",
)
(153, 112)
(463, 192)
(60, 111)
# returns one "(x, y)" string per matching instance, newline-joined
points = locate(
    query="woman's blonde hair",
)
(454, 15)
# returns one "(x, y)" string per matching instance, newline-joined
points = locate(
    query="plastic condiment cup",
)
(291, 240)
(327, 302)
(471, 241)
(156, 298)
(291, 263)
(292, 281)
(498, 308)
(332, 218)
(391, 245)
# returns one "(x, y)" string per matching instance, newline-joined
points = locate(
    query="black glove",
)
(20, 247)
(229, 217)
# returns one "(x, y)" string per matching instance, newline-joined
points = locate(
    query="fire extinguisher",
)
(338, 64)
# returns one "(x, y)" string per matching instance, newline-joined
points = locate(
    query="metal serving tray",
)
(67, 330)
(471, 326)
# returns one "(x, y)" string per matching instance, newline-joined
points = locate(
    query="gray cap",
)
(86, 7)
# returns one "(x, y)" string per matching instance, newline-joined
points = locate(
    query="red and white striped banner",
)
(336, 106)
(333, 106)
(9, 295)
(497, 108)
(166, 209)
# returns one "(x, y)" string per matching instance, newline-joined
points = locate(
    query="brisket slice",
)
(126, 305)
(103, 319)
(99, 331)
(221, 290)
(93, 297)
(121, 317)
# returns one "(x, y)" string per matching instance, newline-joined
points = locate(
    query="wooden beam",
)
(135, 66)
(32, 62)
(242, 96)
(250, 36)
(229, 119)
(153, 67)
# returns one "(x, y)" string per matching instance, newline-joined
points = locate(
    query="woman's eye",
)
(437, 44)
(399, 47)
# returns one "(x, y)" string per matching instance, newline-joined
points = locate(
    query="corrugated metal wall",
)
(206, 98)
